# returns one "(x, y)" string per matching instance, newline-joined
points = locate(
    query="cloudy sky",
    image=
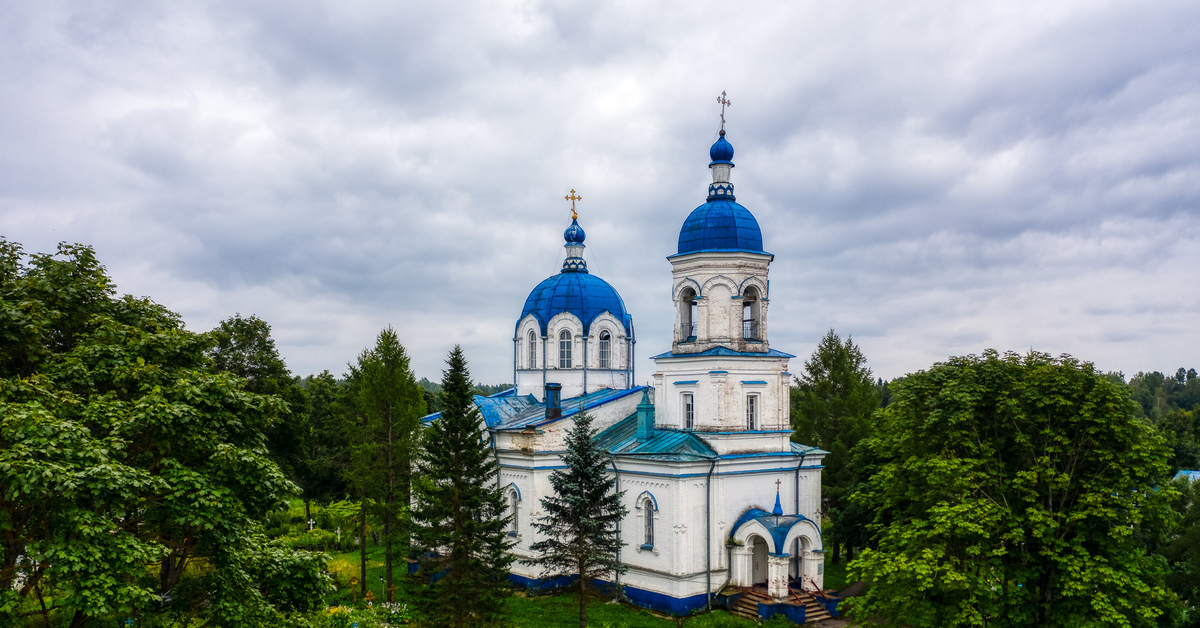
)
(934, 178)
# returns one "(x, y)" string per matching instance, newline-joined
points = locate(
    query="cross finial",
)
(724, 103)
(777, 483)
(573, 197)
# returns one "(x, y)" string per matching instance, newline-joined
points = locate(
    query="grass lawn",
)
(562, 609)
(542, 611)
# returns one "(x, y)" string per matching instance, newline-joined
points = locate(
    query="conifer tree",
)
(579, 529)
(459, 518)
(391, 406)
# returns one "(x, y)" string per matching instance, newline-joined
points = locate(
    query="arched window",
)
(605, 343)
(687, 313)
(752, 412)
(532, 350)
(648, 527)
(688, 411)
(751, 319)
(564, 349)
(512, 510)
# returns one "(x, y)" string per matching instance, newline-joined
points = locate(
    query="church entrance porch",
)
(775, 551)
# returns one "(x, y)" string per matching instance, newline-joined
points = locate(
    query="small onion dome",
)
(574, 234)
(721, 151)
(586, 296)
(720, 226)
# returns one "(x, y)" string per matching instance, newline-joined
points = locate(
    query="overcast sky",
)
(934, 178)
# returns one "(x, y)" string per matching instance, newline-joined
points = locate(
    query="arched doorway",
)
(758, 557)
(799, 549)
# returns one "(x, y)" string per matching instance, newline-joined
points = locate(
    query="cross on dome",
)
(724, 103)
(573, 197)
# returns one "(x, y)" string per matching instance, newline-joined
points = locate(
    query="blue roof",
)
(511, 412)
(580, 293)
(720, 225)
(777, 526)
(621, 439)
(772, 353)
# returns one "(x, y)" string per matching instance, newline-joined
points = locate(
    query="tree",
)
(1012, 493)
(392, 405)
(832, 405)
(579, 528)
(460, 524)
(123, 458)
(245, 348)
(322, 441)
(1182, 550)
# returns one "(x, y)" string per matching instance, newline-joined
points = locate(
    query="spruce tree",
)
(579, 529)
(460, 524)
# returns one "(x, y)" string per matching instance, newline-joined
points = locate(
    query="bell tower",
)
(721, 377)
(719, 274)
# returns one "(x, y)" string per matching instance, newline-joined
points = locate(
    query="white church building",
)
(717, 494)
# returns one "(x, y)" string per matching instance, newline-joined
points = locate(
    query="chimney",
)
(553, 400)
(645, 417)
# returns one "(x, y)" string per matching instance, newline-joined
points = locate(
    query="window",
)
(752, 412)
(512, 510)
(564, 349)
(605, 343)
(688, 411)
(532, 350)
(648, 509)
(687, 314)
(750, 314)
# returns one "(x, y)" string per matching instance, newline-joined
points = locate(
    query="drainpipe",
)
(516, 354)
(543, 364)
(708, 535)
(585, 346)
(617, 580)
(802, 456)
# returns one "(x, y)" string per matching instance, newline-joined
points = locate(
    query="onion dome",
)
(721, 151)
(721, 224)
(574, 234)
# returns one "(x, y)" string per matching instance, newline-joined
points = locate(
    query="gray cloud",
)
(934, 179)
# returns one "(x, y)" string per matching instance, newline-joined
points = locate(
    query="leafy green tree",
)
(460, 524)
(244, 347)
(391, 407)
(124, 458)
(1182, 550)
(1012, 493)
(579, 528)
(322, 439)
(832, 405)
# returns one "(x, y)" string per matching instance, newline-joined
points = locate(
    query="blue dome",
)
(720, 226)
(584, 295)
(721, 151)
(574, 234)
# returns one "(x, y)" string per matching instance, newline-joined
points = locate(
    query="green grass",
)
(835, 576)
(562, 609)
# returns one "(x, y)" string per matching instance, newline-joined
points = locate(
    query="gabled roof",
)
(621, 440)
(777, 526)
(512, 412)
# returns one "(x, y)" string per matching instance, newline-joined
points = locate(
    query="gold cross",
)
(724, 103)
(573, 197)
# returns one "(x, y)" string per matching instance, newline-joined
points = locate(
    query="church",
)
(717, 494)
